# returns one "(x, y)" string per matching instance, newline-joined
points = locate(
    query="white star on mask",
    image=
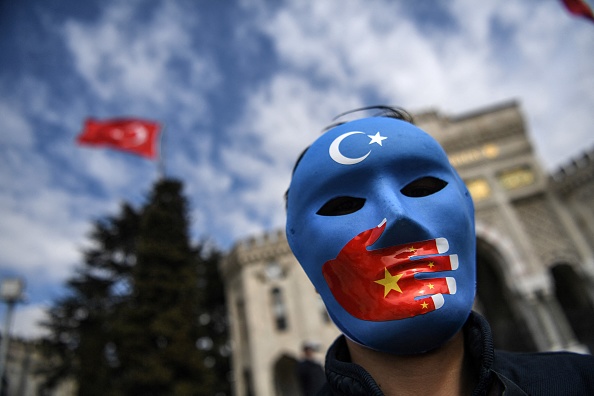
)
(377, 138)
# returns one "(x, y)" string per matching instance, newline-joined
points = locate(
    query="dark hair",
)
(383, 111)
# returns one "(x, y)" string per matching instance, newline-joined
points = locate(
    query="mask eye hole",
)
(341, 206)
(423, 187)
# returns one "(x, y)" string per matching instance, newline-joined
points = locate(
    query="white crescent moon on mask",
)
(337, 156)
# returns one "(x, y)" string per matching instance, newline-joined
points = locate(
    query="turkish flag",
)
(579, 8)
(131, 135)
(382, 284)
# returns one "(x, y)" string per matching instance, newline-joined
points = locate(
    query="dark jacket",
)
(311, 377)
(498, 372)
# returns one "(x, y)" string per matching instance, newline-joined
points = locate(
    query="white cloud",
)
(148, 66)
(41, 230)
(335, 53)
(14, 127)
(25, 321)
(280, 120)
(375, 46)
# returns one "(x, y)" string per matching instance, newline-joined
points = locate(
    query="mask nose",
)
(402, 225)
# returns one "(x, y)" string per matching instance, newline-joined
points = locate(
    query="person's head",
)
(309, 349)
(384, 227)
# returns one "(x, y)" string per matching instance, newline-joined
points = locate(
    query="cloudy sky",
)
(242, 86)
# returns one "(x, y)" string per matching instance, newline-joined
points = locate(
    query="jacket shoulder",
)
(325, 391)
(552, 373)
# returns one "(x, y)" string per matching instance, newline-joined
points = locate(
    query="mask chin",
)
(394, 338)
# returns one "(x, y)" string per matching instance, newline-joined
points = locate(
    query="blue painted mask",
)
(384, 228)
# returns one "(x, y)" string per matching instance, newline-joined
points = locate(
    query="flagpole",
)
(161, 159)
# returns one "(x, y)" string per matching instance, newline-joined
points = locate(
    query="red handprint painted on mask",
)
(380, 285)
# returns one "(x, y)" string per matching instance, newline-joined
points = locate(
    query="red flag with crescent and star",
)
(580, 8)
(128, 134)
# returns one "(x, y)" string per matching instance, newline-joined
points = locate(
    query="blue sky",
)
(242, 86)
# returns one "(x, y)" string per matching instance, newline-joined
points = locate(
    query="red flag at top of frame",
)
(132, 135)
(580, 8)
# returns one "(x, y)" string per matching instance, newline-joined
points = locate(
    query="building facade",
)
(535, 257)
(23, 377)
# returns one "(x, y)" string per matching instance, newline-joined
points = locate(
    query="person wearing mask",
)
(383, 226)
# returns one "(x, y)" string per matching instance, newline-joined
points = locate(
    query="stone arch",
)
(284, 376)
(497, 298)
(571, 290)
(510, 261)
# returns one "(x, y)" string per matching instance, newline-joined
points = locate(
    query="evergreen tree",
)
(146, 312)
(159, 327)
(213, 319)
(81, 337)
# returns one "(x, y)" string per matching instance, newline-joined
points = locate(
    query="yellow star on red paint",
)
(389, 282)
(424, 305)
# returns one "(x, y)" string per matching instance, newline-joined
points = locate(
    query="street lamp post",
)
(11, 292)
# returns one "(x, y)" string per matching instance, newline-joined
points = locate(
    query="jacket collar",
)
(346, 378)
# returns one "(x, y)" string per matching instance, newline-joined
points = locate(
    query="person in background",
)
(383, 226)
(310, 373)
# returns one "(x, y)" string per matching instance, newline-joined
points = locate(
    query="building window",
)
(274, 271)
(516, 178)
(479, 189)
(279, 309)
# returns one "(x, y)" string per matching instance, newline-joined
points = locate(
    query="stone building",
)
(22, 376)
(535, 257)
